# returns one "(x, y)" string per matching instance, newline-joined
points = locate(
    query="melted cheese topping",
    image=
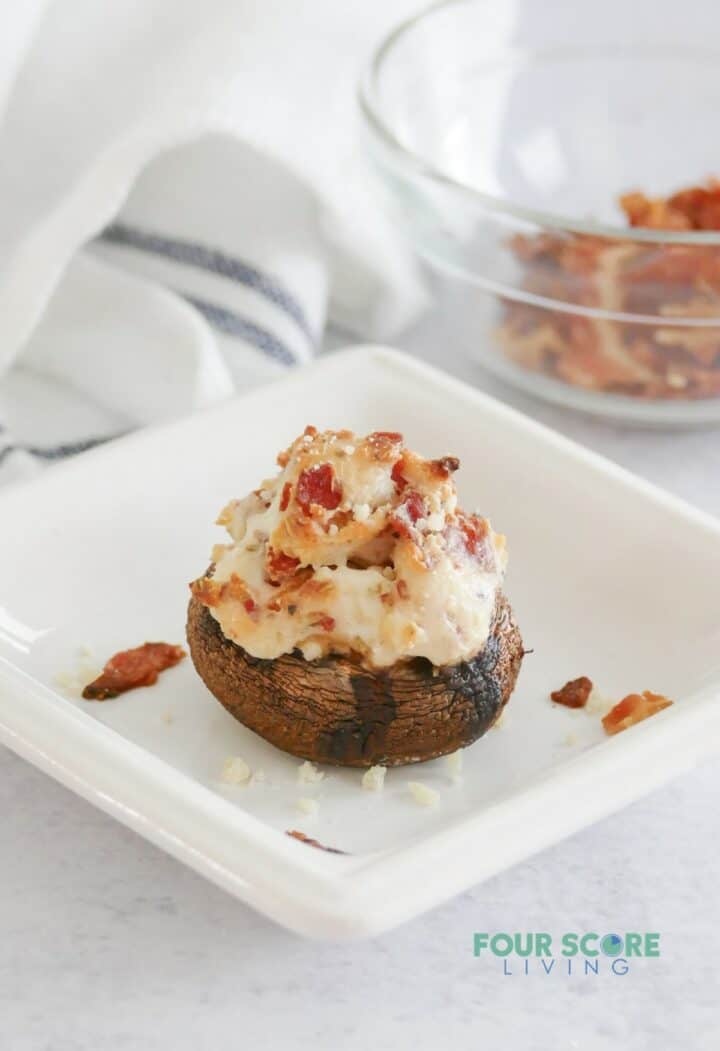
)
(356, 547)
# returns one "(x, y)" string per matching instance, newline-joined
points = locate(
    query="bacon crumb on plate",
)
(313, 842)
(633, 709)
(130, 669)
(574, 694)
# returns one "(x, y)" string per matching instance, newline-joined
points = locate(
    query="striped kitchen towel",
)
(181, 204)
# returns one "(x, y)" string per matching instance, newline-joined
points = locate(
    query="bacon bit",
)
(633, 709)
(274, 606)
(234, 589)
(574, 694)
(402, 588)
(398, 477)
(474, 531)
(285, 498)
(310, 431)
(697, 208)
(388, 436)
(313, 842)
(317, 486)
(249, 605)
(382, 446)
(310, 586)
(415, 507)
(642, 361)
(211, 592)
(280, 565)
(325, 622)
(132, 668)
(206, 591)
(408, 513)
(340, 519)
(445, 466)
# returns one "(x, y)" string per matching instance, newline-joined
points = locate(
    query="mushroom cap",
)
(336, 710)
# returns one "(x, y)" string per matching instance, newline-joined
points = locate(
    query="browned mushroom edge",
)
(335, 710)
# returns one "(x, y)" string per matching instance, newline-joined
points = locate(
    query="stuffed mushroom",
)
(357, 615)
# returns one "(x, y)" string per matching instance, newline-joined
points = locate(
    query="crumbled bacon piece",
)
(474, 531)
(410, 511)
(382, 446)
(414, 506)
(313, 842)
(402, 588)
(280, 565)
(132, 668)
(207, 591)
(697, 208)
(573, 694)
(285, 496)
(318, 486)
(212, 592)
(445, 466)
(653, 279)
(390, 436)
(633, 709)
(249, 605)
(235, 589)
(398, 477)
(326, 622)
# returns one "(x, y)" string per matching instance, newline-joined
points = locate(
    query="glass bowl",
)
(505, 132)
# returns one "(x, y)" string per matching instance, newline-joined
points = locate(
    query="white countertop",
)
(106, 944)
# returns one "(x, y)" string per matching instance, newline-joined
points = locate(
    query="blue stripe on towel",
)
(235, 325)
(55, 452)
(197, 255)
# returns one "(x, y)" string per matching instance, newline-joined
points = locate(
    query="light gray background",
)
(106, 944)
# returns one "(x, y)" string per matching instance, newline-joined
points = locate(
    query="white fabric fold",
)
(181, 201)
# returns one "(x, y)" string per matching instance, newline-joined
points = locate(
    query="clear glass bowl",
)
(505, 132)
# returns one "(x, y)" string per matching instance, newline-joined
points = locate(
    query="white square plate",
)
(609, 577)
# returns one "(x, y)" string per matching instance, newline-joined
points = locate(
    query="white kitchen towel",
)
(181, 196)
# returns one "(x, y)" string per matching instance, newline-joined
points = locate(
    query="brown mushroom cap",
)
(335, 710)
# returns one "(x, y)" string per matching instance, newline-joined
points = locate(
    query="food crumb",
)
(308, 773)
(235, 771)
(259, 776)
(598, 703)
(307, 806)
(423, 795)
(133, 668)
(313, 842)
(569, 740)
(168, 716)
(633, 709)
(454, 763)
(574, 694)
(374, 779)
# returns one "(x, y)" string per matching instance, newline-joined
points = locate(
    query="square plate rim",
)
(343, 897)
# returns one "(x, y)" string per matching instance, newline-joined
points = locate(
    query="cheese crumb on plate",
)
(235, 771)
(423, 794)
(307, 806)
(374, 779)
(308, 773)
(454, 764)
